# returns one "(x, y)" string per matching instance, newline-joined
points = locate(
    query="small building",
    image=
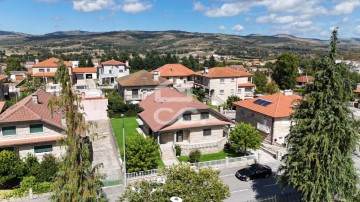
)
(221, 82)
(174, 118)
(17, 76)
(84, 77)
(137, 86)
(110, 70)
(270, 114)
(301, 81)
(178, 74)
(30, 127)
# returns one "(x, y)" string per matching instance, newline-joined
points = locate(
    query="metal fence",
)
(140, 174)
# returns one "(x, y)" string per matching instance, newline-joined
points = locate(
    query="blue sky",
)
(303, 18)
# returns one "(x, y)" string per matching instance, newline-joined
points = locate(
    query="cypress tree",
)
(319, 163)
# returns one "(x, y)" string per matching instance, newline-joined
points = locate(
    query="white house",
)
(110, 70)
(84, 77)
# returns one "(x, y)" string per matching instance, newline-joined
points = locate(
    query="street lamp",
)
(122, 115)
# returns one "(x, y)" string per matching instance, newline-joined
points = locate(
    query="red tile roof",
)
(30, 140)
(305, 79)
(26, 110)
(164, 105)
(357, 90)
(224, 72)
(174, 70)
(142, 78)
(281, 105)
(246, 85)
(85, 70)
(2, 104)
(44, 74)
(50, 63)
(3, 76)
(195, 125)
(112, 62)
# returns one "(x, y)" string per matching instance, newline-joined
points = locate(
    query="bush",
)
(31, 166)
(48, 168)
(30, 182)
(11, 169)
(195, 156)
(178, 150)
(116, 107)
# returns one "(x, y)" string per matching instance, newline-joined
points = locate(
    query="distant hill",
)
(174, 41)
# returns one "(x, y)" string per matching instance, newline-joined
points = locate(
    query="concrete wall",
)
(95, 109)
(24, 150)
(281, 130)
(23, 131)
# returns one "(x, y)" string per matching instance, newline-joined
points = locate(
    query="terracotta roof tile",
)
(246, 85)
(164, 105)
(50, 63)
(357, 90)
(174, 70)
(305, 79)
(112, 62)
(224, 72)
(281, 105)
(2, 104)
(26, 110)
(30, 140)
(84, 70)
(142, 78)
(3, 76)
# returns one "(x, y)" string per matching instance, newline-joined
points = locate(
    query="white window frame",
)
(222, 80)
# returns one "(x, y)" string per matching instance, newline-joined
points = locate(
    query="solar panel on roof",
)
(257, 101)
(262, 102)
(266, 103)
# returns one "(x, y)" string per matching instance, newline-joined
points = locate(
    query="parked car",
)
(254, 171)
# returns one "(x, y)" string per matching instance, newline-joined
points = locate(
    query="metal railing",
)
(142, 174)
(202, 145)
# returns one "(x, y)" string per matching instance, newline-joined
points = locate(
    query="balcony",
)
(263, 128)
(133, 97)
(249, 94)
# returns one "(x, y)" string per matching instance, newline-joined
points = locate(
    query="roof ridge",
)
(277, 103)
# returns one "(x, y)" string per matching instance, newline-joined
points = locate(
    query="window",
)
(206, 132)
(222, 80)
(239, 90)
(88, 76)
(41, 70)
(10, 130)
(121, 70)
(101, 71)
(187, 117)
(204, 115)
(43, 148)
(48, 70)
(221, 92)
(110, 72)
(249, 79)
(80, 87)
(36, 128)
(53, 87)
(232, 80)
(181, 78)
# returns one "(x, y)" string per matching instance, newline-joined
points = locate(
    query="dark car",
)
(254, 171)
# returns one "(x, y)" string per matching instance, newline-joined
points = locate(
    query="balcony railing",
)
(249, 94)
(133, 97)
(263, 128)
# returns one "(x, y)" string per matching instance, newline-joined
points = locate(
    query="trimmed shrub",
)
(48, 168)
(11, 169)
(178, 150)
(195, 156)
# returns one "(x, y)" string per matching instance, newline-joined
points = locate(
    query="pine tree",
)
(76, 179)
(82, 62)
(319, 164)
(89, 62)
(212, 62)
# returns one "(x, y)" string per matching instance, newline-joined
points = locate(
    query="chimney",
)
(205, 70)
(156, 75)
(63, 121)
(288, 92)
(36, 61)
(34, 98)
(127, 63)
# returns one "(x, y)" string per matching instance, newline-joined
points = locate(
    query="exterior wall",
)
(46, 69)
(281, 130)
(177, 79)
(83, 81)
(143, 92)
(2, 89)
(57, 151)
(109, 71)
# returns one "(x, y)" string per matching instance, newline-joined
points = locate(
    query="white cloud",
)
(222, 27)
(346, 20)
(92, 5)
(198, 6)
(57, 18)
(135, 6)
(345, 7)
(237, 28)
(273, 18)
(225, 10)
(357, 30)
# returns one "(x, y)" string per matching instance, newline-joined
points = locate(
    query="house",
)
(270, 114)
(46, 70)
(301, 81)
(180, 75)
(30, 127)
(172, 117)
(137, 86)
(84, 77)
(2, 88)
(221, 82)
(17, 76)
(110, 70)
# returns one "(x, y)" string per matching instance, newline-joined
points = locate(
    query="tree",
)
(186, 62)
(260, 81)
(285, 70)
(244, 136)
(194, 156)
(271, 88)
(196, 185)
(76, 179)
(31, 166)
(141, 153)
(11, 169)
(48, 168)
(231, 99)
(13, 64)
(90, 63)
(82, 62)
(323, 138)
(212, 62)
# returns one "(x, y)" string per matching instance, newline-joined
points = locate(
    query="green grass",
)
(210, 157)
(130, 130)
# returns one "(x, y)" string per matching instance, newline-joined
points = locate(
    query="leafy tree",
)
(244, 136)
(319, 162)
(196, 185)
(285, 70)
(13, 64)
(11, 169)
(89, 63)
(137, 63)
(260, 81)
(76, 179)
(48, 168)
(194, 63)
(230, 100)
(141, 153)
(200, 94)
(194, 156)
(186, 62)
(271, 88)
(31, 166)
(212, 62)
(82, 62)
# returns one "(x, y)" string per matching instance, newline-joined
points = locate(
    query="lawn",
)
(130, 130)
(210, 157)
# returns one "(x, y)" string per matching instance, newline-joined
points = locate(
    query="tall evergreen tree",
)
(89, 62)
(76, 179)
(82, 62)
(285, 70)
(212, 62)
(319, 164)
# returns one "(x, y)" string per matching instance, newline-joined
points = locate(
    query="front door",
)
(179, 136)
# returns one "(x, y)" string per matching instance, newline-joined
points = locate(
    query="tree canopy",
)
(196, 185)
(11, 169)
(324, 136)
(260, 81)
(244, 136)
(13, 64)
(285, 70)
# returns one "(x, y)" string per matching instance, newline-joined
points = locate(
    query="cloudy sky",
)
(303, 18)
